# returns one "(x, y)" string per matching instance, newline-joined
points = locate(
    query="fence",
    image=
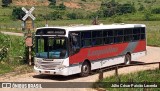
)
(116, 67)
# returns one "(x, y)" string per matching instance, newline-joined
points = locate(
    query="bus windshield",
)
(51, 47)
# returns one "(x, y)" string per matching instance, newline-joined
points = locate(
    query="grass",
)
(16, 52)
(5, 68)
(153, 38)
(148, 75)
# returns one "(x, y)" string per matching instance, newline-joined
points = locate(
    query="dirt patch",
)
(72, 5)
(31, 2)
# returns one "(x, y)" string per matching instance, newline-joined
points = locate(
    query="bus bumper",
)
(63, 71)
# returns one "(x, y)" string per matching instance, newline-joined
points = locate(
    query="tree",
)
(62, 6)
(5, 3)
(83, 0)
(55, 15)
(17, 13)
(155, 10)
(75, 15)
(141, 8)
(109, 8)
(72, 15)
(126, 8)
(114, 8)
(53, 2)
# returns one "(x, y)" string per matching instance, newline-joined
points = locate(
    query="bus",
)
(72, 50)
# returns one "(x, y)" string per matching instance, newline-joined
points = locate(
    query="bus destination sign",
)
(51, 31)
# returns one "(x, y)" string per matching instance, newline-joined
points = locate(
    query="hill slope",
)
(30, 2)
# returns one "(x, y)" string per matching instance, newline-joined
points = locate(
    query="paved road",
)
(153, 55)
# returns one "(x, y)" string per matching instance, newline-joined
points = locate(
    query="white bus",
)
(80, 49)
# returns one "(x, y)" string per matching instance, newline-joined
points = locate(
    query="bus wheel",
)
(85, 69)
(127, 59)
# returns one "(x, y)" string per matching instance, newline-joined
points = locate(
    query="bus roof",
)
(96, 27)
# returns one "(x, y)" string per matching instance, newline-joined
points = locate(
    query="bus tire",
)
(127, 59)
(85, 69)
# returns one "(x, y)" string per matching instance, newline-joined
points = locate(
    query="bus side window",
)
(97, 38)
(108, 36)
(136, 34)
(74, 42)
(86, 39)
(128, 34)
(142, 33)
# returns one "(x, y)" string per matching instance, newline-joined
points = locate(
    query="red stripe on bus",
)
(141, 46)
(99, 52)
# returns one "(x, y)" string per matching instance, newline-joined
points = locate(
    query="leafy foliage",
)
(83, 0)
(62, 6)
(4, 40)
(4, 45)
(155, 10)
(75, 15)
(52, 3)
(109, 8)
(55, 15)
(72, 15)
(126, 8)
(141, 8)
(17, 13)
(15, 55)
(15, 46)
(5, 3)
(114, 8)
(147, 15)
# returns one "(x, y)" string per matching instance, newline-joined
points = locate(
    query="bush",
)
(155, 10)
(18, 13)
(126, 8)
(141, 8)
(114, 8)
(148, 1)
(5, 3)
(53, 2)
(83, 0)
(99, 13)
(55, 15)
(62, 6)
(75, 15)
(109, 8)
(118, 20)
(147, 15)
(72, 15)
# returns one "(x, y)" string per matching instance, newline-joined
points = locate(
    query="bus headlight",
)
(61, 67)
(37, 62)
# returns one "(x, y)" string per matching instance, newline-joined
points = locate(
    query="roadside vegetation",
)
(13, 58)
(142, 76)
(153, 38)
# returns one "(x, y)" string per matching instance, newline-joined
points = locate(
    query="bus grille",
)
(49, 65)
